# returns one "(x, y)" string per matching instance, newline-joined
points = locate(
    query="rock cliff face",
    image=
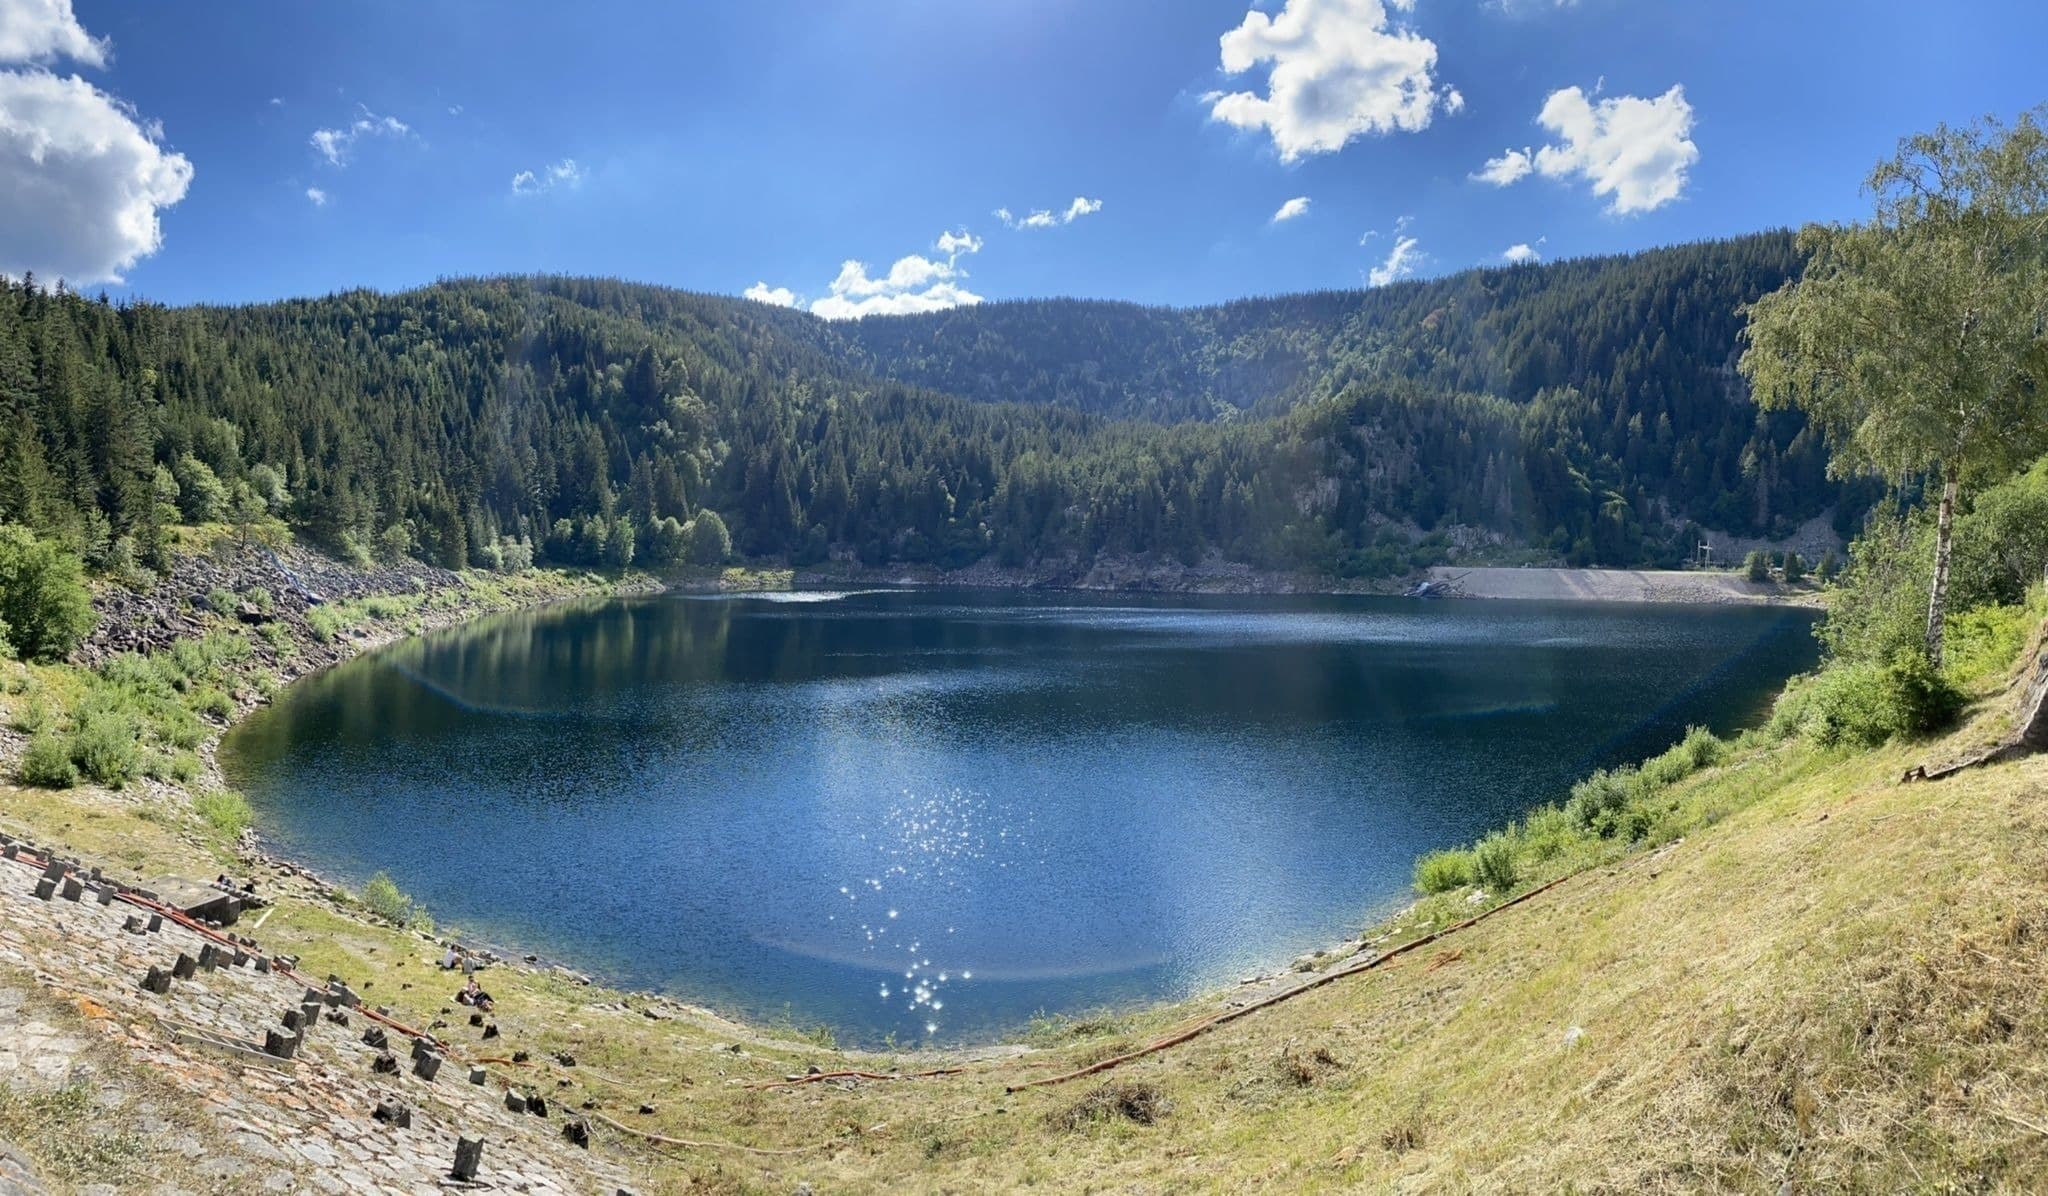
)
(2033, 726)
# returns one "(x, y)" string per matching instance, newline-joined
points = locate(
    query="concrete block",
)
(394, 1114)
(45, 889)
(156, 981)
(283, 1046)
(185, 967)
(427, 1066)
(469, 1158)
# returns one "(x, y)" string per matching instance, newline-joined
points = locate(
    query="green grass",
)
(225, 812)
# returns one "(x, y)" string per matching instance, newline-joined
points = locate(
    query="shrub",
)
(1444, 871)
(1548, 833)
(227, 814)
(1494, 861)
(1757, 566)
(260, 598)
(213, 703)
(1795, 567)
(384, 899)
(1597, 799)
(44, 605)
(221, 600)
(1858, 704)
(47, 763)
(104, 745)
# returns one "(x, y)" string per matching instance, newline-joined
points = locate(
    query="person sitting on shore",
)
(449, 959)
(474, 996)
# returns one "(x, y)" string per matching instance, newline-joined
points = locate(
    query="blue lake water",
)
(933, 814)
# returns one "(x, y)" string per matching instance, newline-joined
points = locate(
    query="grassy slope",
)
(1837, 984)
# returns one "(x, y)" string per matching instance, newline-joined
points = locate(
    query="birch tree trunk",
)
(1937, 601)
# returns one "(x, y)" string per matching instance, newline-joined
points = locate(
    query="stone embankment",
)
(241, 1076)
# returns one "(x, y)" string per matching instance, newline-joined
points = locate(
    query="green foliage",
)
(104, 744)
(1597, 800)
(1445, 871)
(382, 897)
(1757, 566)
(46, 763)
(1983, 643)
(44, 605)
(1830, 567)
(1494, 863)
(1864, 704)
(201, 496)
(1795, 568)
(227, 814)
(710, 542)
(1565, 409)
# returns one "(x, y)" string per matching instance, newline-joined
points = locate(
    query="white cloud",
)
(1454, 101)
(1339, 68)
(1511, 167)
(1047, 218)
(42, 31)
(1298, 206)
(1401, 262)
(318, 196)
(1515, 255)
(913, 283)
(334, 144)
(82, 179)
(565, 173)
(1633, 151)
(761, 292)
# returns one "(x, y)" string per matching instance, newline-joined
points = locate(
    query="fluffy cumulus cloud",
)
(334, 145)
(1046, 217)
(1633, 152)
(82, 176)
(317, 197)
(1511, 167)
(45, 30)
(913, 283)
(1402, 261)
(1337, 69)
(1298, 206)
(565, 173)
(761, 292)
(1517, 254)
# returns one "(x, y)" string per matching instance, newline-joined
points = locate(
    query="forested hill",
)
(1587, 407)
(1662, 321)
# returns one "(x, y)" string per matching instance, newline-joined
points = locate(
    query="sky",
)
(878, 156)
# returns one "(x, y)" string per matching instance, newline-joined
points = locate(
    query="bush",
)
(1757, 566)
(1444, 871)
(227, 813)
(1830, 567)
(47, 763)
(45, 608)
(1548, 833)
(1494, 861)
(1858, 704)
(104, 745)
(382, 897)
(221, 600)
(1597, 799)
(1795, 567)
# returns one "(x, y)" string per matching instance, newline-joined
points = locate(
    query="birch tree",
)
(1918, 341)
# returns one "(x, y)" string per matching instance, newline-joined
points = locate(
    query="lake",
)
(932, 814)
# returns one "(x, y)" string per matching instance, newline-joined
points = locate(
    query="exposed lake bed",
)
(931, 815)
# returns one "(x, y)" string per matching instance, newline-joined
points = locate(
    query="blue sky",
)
(716, 147)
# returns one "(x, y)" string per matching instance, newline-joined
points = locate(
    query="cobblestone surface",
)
(286, 1126)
